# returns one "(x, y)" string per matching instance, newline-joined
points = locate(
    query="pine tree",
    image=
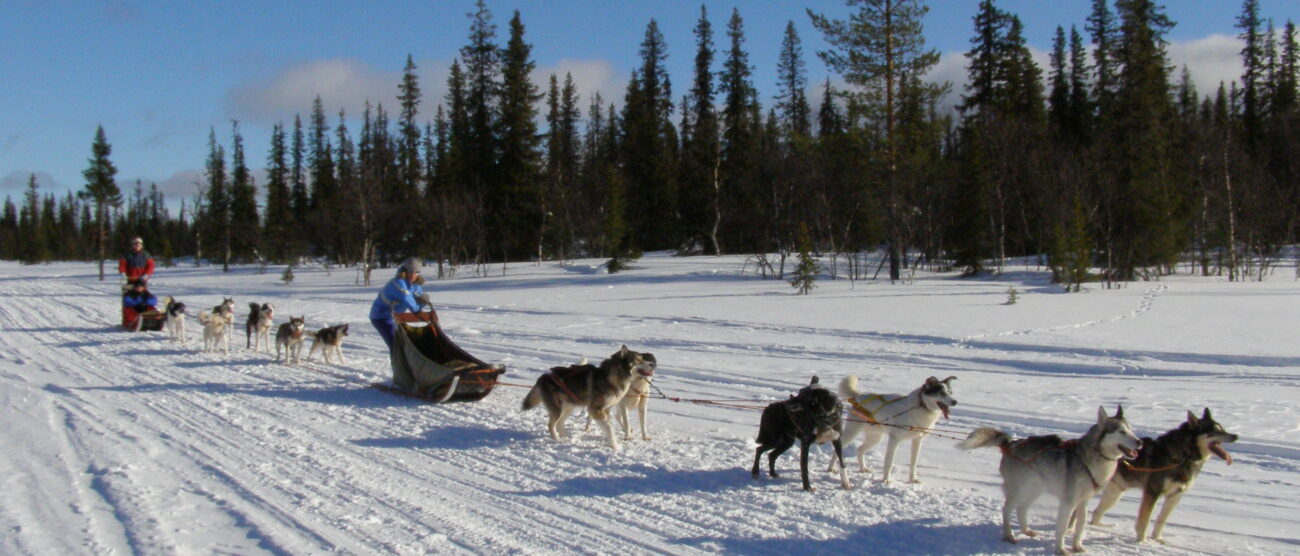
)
(1254, 70)
(698, 181)
(279, 211)
(217, 202)
(877, 49)
(482, 84)
(649, 149)
(244, 223)
(32, 249)
(745, 211)
(805, 275)
(792, 79)
(101, 189)
(1143, 228)
(1101, 25)
(9, 230)
(517, 196)
(299, 200)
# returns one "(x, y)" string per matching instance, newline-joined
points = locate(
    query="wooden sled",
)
(427, 363)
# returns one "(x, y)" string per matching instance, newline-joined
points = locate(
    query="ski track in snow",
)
(121, 442)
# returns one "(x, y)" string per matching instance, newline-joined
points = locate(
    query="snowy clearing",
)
(127, 443)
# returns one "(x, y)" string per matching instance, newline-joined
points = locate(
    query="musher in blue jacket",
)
(400, 295)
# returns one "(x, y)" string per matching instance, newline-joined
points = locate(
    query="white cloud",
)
(1212, 60)
(589, 77)
(14, 184)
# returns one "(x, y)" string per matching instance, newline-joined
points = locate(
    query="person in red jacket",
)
(136, 265)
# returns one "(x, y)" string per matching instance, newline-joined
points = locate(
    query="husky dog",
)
(289, 335)
(813, 416)
(258, 326)
(174, 319)
(901, 417)
(596, 388)
(637, 396)
(329, 339)
(216, 325)
(1166, 466)
(1073, 471)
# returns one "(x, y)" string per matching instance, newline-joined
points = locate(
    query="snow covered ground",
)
(126, 443)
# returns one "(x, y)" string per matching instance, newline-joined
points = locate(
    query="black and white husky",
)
(327, 340)
(217, 323)
(596, 388)
(258, 326)
(290, 336)
(1072, 471)
(1167, 466)
(900, 417)
(174, 319)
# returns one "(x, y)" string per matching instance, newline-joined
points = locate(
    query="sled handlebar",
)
(429, 316)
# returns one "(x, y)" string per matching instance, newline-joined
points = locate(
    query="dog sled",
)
(428, 364)
(148, 321)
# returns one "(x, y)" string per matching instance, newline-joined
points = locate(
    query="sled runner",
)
(426, 362)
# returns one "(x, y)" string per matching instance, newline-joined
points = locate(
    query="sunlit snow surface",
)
(114, 442)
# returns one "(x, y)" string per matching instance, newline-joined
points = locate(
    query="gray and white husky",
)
(258, 327)
(901, 417)
(637, 397)
(216, 325)
(1072, 471)
(290, 336)
(329, 340)
(174, 319)
(1167, 466)
(596, 388)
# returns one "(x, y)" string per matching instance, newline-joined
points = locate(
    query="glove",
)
(423, 301)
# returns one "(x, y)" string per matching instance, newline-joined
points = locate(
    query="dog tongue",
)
(1219, 451)
(944, 408)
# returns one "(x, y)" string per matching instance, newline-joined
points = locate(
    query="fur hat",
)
(410, 266)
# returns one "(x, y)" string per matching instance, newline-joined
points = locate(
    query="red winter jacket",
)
(136, 265)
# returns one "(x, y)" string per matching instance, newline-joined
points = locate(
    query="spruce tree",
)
(279, 212)
(32, 249)
(244, 223)
(649, 141)
(516, 196)
(700, 146)
(792, 79)
(102, 190)
(1254, 70)
(805, 274)
(745, 210)
(217, 202)
(877, 49)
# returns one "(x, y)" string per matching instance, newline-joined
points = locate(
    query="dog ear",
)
(1206, 414)
(1101, 415)
(623, 350)
(1119, 411)
(1191, 418)
(815, 380)
(931, 381)
(948, 380)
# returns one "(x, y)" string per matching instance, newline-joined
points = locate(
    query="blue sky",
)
(159, 74)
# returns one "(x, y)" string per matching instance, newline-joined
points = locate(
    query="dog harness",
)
(556, 379)
(870, 415)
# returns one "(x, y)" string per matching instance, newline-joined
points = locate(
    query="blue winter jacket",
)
(398, 296)
(139, 301)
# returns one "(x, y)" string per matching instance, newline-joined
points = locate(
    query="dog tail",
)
(204, 316)
(849, 387)
(985, 437)
(533, 399)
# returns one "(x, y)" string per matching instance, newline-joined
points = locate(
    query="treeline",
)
(1104, 160)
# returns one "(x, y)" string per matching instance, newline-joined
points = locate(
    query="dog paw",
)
(914, 481)
(1160, 539)
(1100, 523)
(1029, 533)
(1010, 539)
(1078, 549)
